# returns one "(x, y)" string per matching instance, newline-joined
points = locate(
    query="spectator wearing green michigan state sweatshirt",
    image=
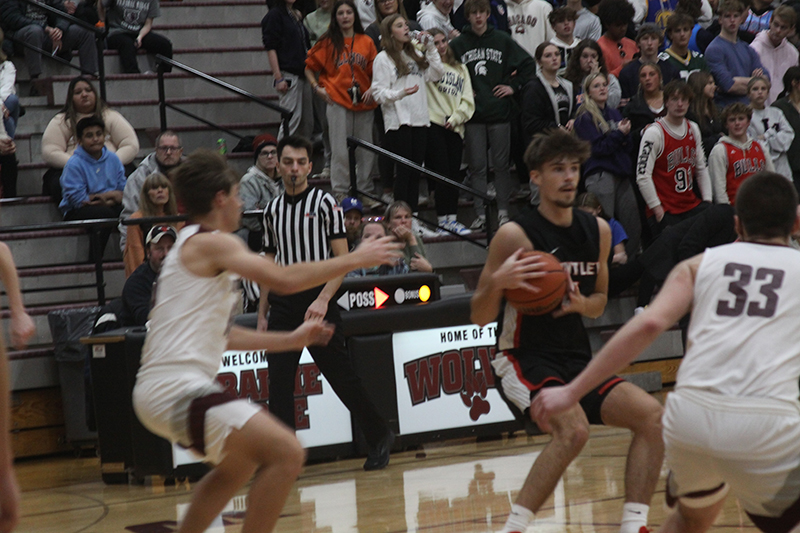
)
(491, 57)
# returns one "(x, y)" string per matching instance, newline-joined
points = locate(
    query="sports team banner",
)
(444, 379)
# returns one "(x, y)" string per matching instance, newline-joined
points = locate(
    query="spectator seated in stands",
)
(129, 24)
(35, 26)
(375, 230)
(260, 184)
(137, 294)
(93, 178)
(9, 105)
(589, 202)
(353, 213)
(92, 181)
(157, 200)
(167, 156)
(437, 15)
(398, 219)
(60, 137)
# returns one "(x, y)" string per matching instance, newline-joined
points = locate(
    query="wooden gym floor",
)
(456, 486)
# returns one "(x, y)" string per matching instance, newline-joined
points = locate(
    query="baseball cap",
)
(350, 203)
(156, 232)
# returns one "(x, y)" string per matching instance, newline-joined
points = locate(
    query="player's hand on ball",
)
(549, 403)
(517, 271)
(574, 300)
(314, 333)
(381, 251)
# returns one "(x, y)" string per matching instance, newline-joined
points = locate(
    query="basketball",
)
(552, 287)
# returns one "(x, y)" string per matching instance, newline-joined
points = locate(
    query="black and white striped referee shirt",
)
(299, 228)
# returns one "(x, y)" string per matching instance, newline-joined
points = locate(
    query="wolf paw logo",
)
(474, 396)
(466, 372)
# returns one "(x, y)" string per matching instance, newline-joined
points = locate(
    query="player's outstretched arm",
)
(504, 269)
(22, 327)
(310, 333)
(208, 254)
(674, 300)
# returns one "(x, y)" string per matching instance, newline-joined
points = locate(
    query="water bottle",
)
(222, 146)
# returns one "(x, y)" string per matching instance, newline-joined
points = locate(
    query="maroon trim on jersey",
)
(610, 383)
(672, 499)
(197, 417)
(545, 381)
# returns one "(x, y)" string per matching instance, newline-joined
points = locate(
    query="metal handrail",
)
(354, 142)
(99, 37)
(161, 61)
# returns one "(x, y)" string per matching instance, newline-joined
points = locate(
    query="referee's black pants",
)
(287, 313)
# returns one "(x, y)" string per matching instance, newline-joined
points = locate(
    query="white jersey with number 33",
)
(744, 336)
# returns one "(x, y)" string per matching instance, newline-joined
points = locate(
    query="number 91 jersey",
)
(744, 335)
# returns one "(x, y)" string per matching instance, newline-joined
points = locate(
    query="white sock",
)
(518, 519)
(634, 517)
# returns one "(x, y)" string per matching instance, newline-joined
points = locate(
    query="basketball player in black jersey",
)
(543, 351)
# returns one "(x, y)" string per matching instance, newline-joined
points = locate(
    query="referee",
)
(305, 224)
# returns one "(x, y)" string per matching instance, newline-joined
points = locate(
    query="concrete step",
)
(32, 369)
(449, 256)
(144, 114)
(126, 87)
(204, 59)
(211, 33)
(202, 12)
(25, 211)
(61, 247)
(33, 296)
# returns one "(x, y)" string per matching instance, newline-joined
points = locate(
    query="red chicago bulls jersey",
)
(741, 165)
(673, 172)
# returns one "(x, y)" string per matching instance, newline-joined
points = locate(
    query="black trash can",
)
(67, 326)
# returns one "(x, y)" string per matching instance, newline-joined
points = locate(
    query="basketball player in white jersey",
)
(733, 423)
(176, 394)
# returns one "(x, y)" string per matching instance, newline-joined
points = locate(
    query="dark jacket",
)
(640, 115)
(538, 113)
(281, 32)
(629, 76)
(137, 295)
(491, 59)
(15, 15)
(611, 151)
(710, 130)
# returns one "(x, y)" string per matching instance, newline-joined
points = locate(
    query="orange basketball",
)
(552, 287)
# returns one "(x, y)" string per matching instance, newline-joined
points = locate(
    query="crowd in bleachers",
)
(461, 85)
(530, 65)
